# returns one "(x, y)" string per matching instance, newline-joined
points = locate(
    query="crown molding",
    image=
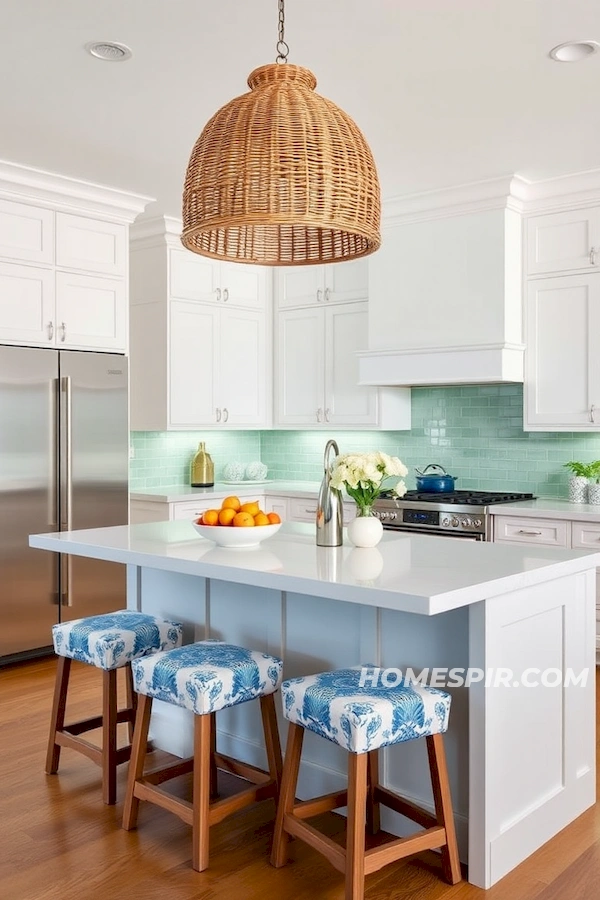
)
(59, 192)
(154, 231)
(514, 192)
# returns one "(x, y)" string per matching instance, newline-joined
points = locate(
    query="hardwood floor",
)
(59, 842)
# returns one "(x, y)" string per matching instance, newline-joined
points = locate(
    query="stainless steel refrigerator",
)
(64, 451)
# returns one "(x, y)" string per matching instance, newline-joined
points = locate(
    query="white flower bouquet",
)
(363, 476)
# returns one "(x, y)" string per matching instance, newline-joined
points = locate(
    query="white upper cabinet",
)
(90, 245)
(563, 242)
(342, 282)
(26, 305)
(199, 330)
(562, 361)
(194, 277)
(300, 382)
(91, 312)
(26, 232)
(346, 402)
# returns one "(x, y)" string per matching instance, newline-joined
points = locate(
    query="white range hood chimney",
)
(445, 289)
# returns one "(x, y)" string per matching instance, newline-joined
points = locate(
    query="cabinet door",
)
(193, 277)
(347, 402)
(242, 393)
(561, 242)
(91, 245)
(345, 281)
(26, 232)
(299, 286)
(193, 360)
(300, 370)
(562, 389)
(91, 312)
(243, 285)
(26, 305)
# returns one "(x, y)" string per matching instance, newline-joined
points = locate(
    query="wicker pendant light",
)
(281, 176)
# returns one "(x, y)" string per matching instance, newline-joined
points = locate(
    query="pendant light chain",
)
(282, 48)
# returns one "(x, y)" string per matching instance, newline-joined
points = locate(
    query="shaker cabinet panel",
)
(301, 366)
(90, 245)
(346, 281)
(242, 369)
(26, 305)
(346, 402)
(243, 285)
(299, 286)
(91, 312)
(194, 339)
(563, 242)
(192, 277)
(26, 232)
(562, 363)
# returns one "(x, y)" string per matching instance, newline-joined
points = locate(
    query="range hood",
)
(445, 294)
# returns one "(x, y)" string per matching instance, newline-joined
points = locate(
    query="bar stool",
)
(204, 677)
(108, 642)
(362, 720)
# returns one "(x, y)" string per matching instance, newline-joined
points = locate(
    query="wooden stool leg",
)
(443, 806)
(272, 743)
(109, 736)
(137, 761)
(373, 806)
(200, 822)
(57, 717)
(214, 786)
(355, 840)
(291, 767)
(131, 700)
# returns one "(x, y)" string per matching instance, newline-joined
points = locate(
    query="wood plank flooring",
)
(59, 842)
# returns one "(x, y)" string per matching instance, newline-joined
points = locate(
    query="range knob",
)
(393, 515)
(477, 523)
(467, 522)
(446, 522)
(455, 522)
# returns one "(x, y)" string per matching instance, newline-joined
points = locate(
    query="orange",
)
(226, 516)
(261, 519)
(210, 517)
(252, 508)
(274, 518)
(243, 520)
(231, 503)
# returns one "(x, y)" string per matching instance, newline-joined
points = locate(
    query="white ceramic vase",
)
(365, 530)
(578, 489)
(593, 495)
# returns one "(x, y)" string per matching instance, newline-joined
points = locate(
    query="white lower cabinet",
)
(216, 366)
(552, 533)
(27, 308)
(317, 372)
(562, 389)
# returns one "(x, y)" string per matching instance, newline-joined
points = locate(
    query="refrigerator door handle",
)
(67, 495)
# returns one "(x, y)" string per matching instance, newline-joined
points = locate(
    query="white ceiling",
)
(446, 91)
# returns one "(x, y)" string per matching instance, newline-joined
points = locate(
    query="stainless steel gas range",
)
(458, 514)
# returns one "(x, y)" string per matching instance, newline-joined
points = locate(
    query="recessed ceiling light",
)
(109, 50)
(573, 51)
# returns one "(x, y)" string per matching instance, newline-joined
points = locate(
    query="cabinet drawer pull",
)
(50, 329)
(327, 294)
(522, 531)
(225, 295)
(218, 414)
(593, 414)
(319, 415)
(63, 332)
(218, 293)
(319, 295)
(311, 511)
(225, 414)
(327, 414)
(593, 252)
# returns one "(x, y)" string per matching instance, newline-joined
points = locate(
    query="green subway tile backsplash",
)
(475, 432)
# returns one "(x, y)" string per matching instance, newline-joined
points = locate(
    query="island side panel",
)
(532, 748)
(419, 643)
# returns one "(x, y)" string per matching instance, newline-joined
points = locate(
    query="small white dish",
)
(238, 538)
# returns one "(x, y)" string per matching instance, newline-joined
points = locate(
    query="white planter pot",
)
(593, 492)
(365, 531)
(578, 489)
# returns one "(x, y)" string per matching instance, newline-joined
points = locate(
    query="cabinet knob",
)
(218, 293)
(225, 414)
(218, 414)
(63, 332)
(225, 295)
(319, 415)
(50, 329)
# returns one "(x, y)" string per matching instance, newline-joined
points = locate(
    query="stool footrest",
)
(242, 769)
(220, 809)
(157, 795)
(378, 857)
(317, 840)
(166, 773)
(308, 808)
(64, 739)
(123, 715)
(404, 807)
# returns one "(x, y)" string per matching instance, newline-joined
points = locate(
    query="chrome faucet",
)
(329, 505)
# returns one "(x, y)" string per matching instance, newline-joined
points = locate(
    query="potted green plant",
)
(578, 482)
(594, 482)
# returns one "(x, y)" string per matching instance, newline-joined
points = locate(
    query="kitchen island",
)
(521, 758)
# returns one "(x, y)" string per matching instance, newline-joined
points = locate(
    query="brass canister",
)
(202, 472)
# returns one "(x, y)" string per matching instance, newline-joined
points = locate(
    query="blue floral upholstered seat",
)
(115, 639)
(361, 719)
(207, 676)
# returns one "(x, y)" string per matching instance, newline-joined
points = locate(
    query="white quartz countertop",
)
(180, 492)
(418, 574)
(549, 509)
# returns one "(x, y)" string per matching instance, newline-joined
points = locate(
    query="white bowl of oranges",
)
(237, 524)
